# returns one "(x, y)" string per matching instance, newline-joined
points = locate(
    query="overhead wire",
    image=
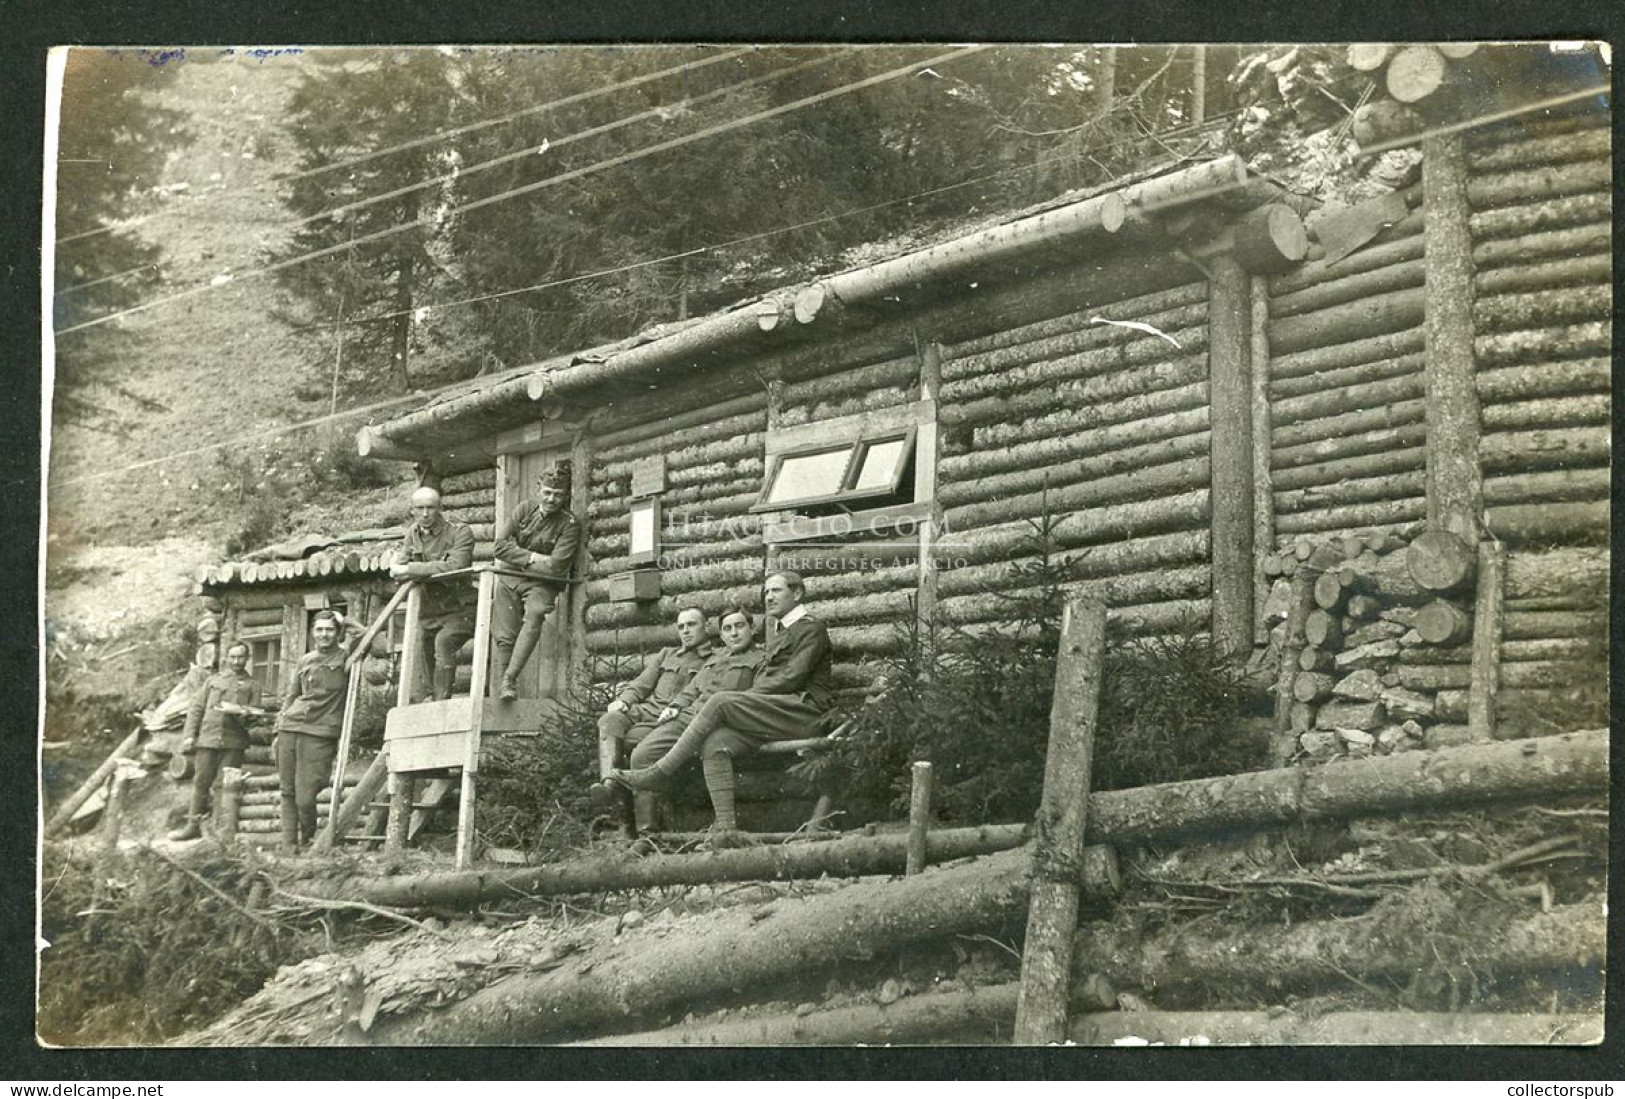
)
(530, 188)
(533, 150)
(443, 135)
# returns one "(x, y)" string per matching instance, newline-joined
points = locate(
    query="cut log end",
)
(1368, 57)
(1440, 561)
(1416, 72)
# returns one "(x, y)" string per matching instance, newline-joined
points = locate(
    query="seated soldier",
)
(788, 699)
(732, 668)
(217, 729)
(637, 708)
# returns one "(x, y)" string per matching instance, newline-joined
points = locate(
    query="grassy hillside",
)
(224, 364)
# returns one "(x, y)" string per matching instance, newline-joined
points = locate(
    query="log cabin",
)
(1218, 393)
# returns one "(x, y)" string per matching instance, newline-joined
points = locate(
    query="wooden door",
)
(547, 674)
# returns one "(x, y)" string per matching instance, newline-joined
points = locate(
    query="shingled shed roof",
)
(309, 557)
(789, 315)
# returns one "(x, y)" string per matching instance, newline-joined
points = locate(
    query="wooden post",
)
(232, 780)
(341, 757)
(927, 452)
(1199, 85)
(476, 691)
(1486, 682)
(1230, 398)
(401, 785)
(1454, 478)
(1263, 487)
(97, 778)
(1046, 962)
(113, 815)
(919, 817)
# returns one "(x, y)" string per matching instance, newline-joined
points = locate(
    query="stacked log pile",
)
(1105, 426)
(1541, 231)
(259, 819)
(1345, 382)
(1377, 647)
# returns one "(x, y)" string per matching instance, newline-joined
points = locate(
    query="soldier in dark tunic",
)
(308, 730)
(217, 732)
(433, 545)
(788, 700)
(541, 538)
(637, 708)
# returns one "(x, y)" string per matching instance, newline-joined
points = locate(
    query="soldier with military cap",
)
(216, 732)
(433, 545)
(540, 538)
(638, 706)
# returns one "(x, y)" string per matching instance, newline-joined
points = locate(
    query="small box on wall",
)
(637, 586)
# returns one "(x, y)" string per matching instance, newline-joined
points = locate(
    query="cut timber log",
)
(1323, 629)
(1377, 315)
(1323, 953)
(1586, 144)
(1547, 182)
(1368, 56)
(884, 854)
(1384, 489)
(1555, 766)
(1351, 398)
(1455, 677)
(1415, 72)
(1125, 462)
(1549, 412)
(1312, 686)
(1571, 341)
(1520, 451)
(1575, 272)
(1052, 918)
(1364, 716)
(1454, 704)
(1440, 561)
(741, 949)
(1549, 524)
(1106, 450)
(1187, 302)
(1401, 242)
(1140, 407)
(1349, 423)
(1558, 244)
(1337, 1028)
(1270, 239)
(1547, 486)
(1487, 648)
(1338, 291)
(1396, 513)
(1442, 623)
(1324, 459)
(97, 779)
(1519, 311)
(1359, 374)
(1522, 625)
(1080, 348)
(1534, 217)
(995, 503)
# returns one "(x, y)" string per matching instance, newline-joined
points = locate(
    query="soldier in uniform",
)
(217, 731)
(787, 700)
(540, 538)
(433, 545)
(637, 708)
(308, 729)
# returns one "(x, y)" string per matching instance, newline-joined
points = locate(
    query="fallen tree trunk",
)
(1339, 1028)
(849, 857)
(1323, 953)
(67, 809)
(742, 948)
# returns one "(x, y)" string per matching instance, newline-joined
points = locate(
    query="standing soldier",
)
(217, 730)
(540, 538)
(308, 730)
(637, 708)
(433, 545)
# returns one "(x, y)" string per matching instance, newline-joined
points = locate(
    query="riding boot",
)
(644, 809)
(609, 754)
(191, 830)
(442, 681)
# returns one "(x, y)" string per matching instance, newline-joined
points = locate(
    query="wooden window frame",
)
(260, 636)
(856, 446)
(652, 554)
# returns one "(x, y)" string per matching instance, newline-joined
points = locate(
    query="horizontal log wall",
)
(1345, 387)
(1105, 427)
(1542, 236)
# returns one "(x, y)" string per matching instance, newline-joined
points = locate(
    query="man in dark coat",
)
(217, 732)
(637, 708)
(540, 538)
(433, 545)
(788, 700)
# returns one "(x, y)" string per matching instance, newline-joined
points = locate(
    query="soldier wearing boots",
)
(788, 700)
(308, 730)
(731, 668)
(637, 708)
(217, 732)
(433, 545)
(540, 538)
